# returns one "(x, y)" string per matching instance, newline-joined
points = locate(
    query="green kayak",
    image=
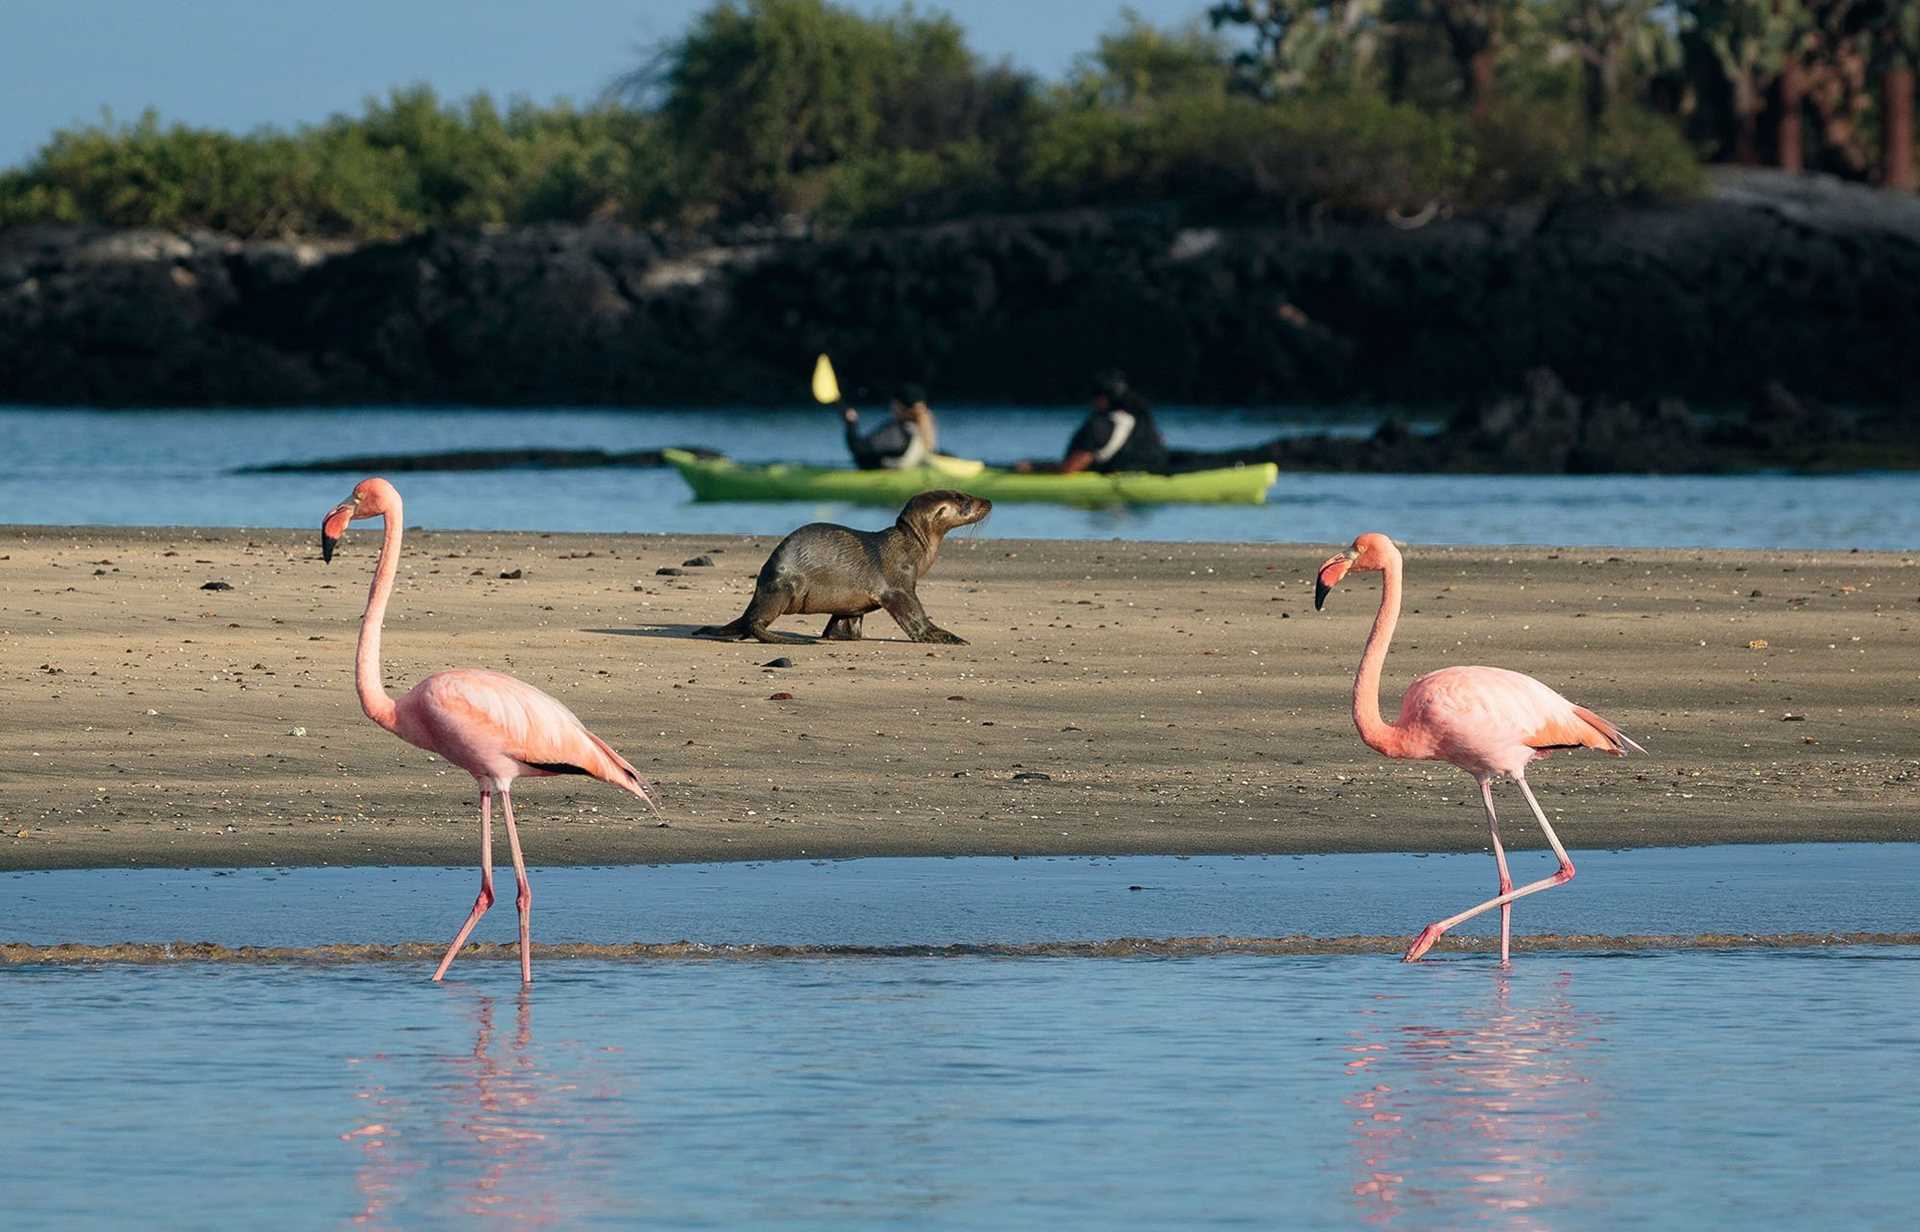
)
(718, 479)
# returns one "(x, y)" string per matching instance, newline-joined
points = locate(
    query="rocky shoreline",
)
(1801, 282)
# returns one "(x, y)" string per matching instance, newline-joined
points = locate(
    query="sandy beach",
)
(1177, 698)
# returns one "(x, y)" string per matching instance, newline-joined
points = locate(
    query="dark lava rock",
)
(782, 661)
(216, 586)
(780, 697)
(1802, 280)
(1032, 776)
(667, 571)
(513, 574)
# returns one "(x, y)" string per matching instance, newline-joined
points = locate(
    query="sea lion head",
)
(933, 514)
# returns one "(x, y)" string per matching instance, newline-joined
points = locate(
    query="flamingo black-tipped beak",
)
(1329, 577)
(333, 526)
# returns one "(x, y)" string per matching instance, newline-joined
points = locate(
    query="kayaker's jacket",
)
(891, 446)
(1122, 439)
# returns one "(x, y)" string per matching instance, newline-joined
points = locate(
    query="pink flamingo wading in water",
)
(1486, 720)
(492, 726)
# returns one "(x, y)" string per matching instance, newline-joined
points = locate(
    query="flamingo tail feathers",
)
(1613, 740)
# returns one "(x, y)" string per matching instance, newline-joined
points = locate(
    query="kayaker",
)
(1119, 435)
(907, 439)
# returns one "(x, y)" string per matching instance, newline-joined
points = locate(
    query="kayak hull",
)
(718, 479)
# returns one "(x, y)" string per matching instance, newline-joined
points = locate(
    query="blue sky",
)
(239, 64)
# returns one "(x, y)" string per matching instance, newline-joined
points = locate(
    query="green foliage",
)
(761, 92)
(913, 185)
(1355, 153)
(406, 163)
(1139, 64)
(1306, 44)
(1547, 150)
(772, 107)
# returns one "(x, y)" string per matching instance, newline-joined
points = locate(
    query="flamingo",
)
(487, 723)
(1486, 720)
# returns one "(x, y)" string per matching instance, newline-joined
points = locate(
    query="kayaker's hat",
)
(909, 394)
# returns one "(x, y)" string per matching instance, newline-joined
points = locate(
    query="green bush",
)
(1540, 150)
(912, 185)
(1346, 153)
(761, 94)
(768, 107)
(405, 163)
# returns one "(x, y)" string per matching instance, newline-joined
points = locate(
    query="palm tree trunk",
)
(1896, 125)
(1789, 146)
(1480, 81)
(1747, 103)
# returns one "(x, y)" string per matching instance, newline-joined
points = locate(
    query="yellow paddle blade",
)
(826, 390)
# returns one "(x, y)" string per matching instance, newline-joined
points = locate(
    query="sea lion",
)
(823, 568)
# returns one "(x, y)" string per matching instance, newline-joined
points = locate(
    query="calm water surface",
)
(1704, 1089)
(172, 468)
(1734, 1089)
(1760, 888)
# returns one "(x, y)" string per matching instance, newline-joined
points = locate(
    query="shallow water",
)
(1864, 887)
(1734, 1088)
(172, 468)
(1581, 1091)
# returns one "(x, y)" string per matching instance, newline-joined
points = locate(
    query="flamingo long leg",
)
(1506, 879)
(1564, 874)
(485, 899)
(523, 892)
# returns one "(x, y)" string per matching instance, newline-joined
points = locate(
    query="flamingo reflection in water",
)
(1471, 1122)
(509, 1137)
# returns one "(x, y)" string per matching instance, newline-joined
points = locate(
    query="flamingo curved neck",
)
(366, 668)
(1380, 735)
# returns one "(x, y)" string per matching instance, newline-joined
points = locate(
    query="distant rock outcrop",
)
(1545, 428)
(1803, 281)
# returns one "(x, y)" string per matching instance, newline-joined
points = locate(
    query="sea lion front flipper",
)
(904, 607)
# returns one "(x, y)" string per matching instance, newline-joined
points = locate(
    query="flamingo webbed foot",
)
(1422, 943)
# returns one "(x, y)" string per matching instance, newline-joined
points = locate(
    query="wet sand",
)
(1179, 698)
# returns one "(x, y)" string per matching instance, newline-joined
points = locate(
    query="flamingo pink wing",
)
(490, 713)
(1490, 714)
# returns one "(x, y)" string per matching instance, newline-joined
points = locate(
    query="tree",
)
(1895, 27)
(1139, 64)
(1474, 29)
(1300, 43)
(1835, 58)
(1606, 35)
(1750, 42)
(758, 93)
